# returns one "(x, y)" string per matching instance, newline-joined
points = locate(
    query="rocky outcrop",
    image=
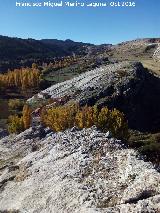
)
(156, 54)
(74, 171)
(3, 133)
(126, 86)
(117, 76)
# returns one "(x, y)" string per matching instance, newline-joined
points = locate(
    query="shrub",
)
(15, 124)
(15, 104)
(147, 144)
(152, 151)
(63, 117)
(59, 118)
(84, 117)
(18, 124)
(104, 119)
(117, 124)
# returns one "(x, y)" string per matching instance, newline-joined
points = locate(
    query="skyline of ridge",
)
(123, 41)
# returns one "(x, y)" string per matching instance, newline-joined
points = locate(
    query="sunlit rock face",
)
(156, 54)
(74, 171)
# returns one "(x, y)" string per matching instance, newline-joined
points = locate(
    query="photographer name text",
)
(61, 3)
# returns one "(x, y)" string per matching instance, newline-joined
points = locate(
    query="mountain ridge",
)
(17, 52)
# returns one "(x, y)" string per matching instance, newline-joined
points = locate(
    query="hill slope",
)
(126, 86)
(17, 48)
(146, 51)
(17, 51)
(135, 50)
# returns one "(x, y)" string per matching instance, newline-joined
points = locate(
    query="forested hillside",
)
(17, 52)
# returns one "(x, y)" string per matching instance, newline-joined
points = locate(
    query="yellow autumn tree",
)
(63, 117)
(95, 115)
(59, 118)
(80, 117)
(103, 119)
(118, 125)
(34, 66)
(15, 124)
(21, 78)
(26, 116)
(84, 117)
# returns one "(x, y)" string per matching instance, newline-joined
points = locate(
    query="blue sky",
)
(94, 25)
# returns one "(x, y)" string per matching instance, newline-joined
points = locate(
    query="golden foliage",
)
(63, 117)
(59, 118)
(26, 116)
(84, 117)
(18, 124)
(20, 78)
(15, 124)
(103, 119)
(118, 125)
(34, 66)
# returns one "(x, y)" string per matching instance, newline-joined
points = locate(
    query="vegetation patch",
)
(147, 144)
(20, 78)
(16, 104)
(17, 124)
(63, 117)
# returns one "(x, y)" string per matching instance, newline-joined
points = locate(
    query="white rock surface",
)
(75, 171)
(156, 54)
(98, 79)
